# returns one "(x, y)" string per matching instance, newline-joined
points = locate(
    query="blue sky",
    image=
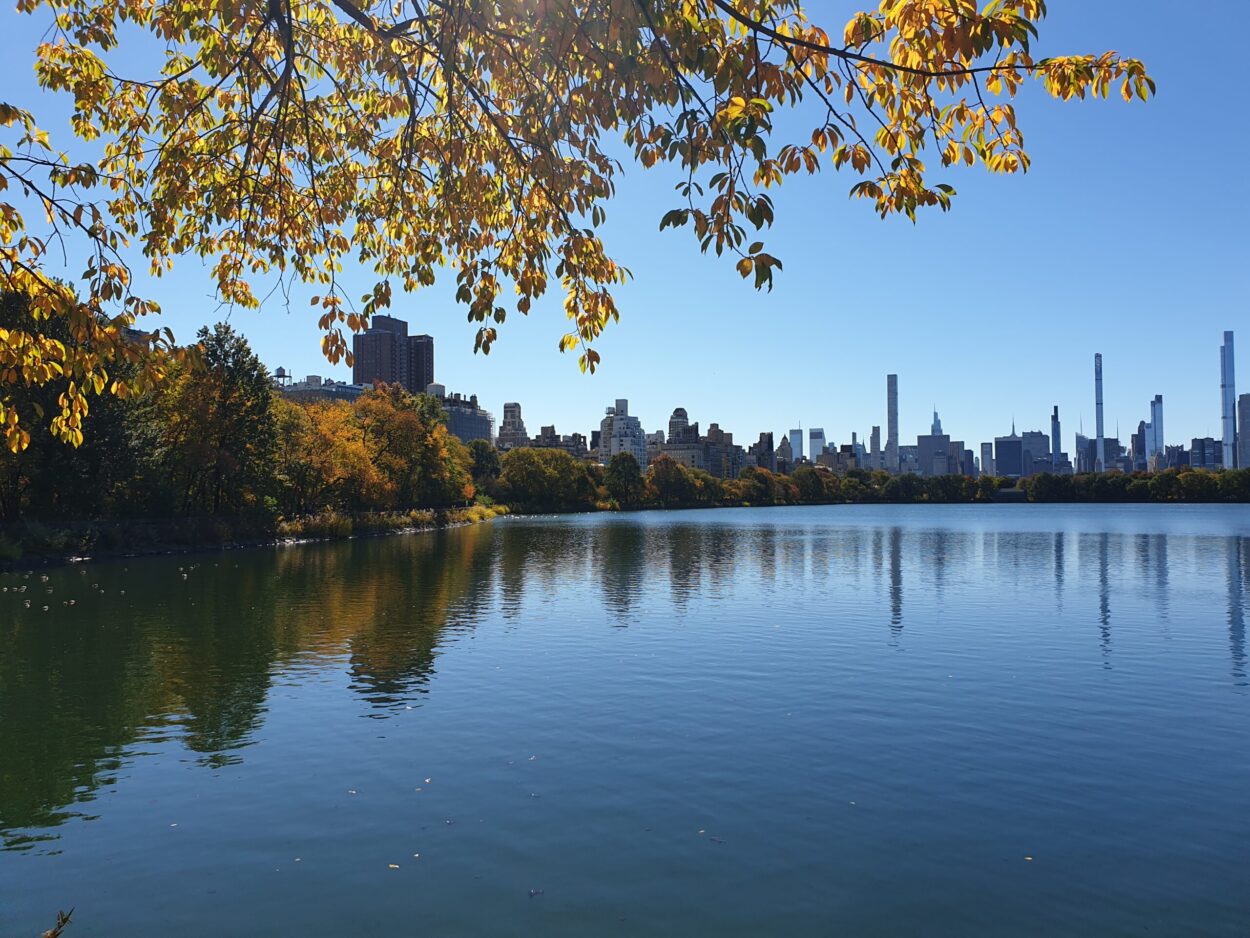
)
(1127, 237)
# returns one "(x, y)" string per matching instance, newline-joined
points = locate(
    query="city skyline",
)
(1148, 442)
(1010, 332)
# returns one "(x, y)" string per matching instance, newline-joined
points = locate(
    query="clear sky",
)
(1128, 236)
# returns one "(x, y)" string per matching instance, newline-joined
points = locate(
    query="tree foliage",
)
(281, 138)
(218, 441)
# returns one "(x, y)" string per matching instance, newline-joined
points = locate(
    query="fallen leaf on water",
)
(393, 866)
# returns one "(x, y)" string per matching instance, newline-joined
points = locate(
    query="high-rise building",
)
(380, 353)
(1228, 398)
(621, 433)
(784, 456)
(466, 419)
(762, 453)
(891, 423)
(816, 442)
(386, 352)
(1100, 458)
(677, 424)
(933, 453)
(1009, 455)
(1154, 433)
(1056, 457)
(1034, 452)
(936, 429)
(1243, 432)
(874, 452)
(512, 429)
(987, 459)
(1082, 451)
(796, 444)
(1206, 453)
(420, 363)
(1140, 447)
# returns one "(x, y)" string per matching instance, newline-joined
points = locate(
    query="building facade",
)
(512, 433)
(385, 352)
(891, 424)
(1228, 400)
(621, 433)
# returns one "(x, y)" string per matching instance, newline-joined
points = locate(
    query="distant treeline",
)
(218, 454)
(539, 480)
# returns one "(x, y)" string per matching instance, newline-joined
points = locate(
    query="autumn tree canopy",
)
(480, 139)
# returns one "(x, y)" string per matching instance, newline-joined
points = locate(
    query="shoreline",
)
(209, 535)
(200, 535)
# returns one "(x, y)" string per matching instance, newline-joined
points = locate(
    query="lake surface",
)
(938, 720)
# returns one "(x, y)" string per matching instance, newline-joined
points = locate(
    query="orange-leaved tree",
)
(482, 138)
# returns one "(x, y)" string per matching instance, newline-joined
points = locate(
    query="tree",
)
(47, 479)
(623, 480)
(324, 460)
(807, 479)
(545, 480)
(670, 484)
(486, 467)
(280, 139)
(211, 435)
(408, 440)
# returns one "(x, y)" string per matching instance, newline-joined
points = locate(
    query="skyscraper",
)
(796, 444)
(1154, 433)
(1056, 456)
(386, 352)
(512, 430)
(1228, 399)
(677, 424)
(420, 363)
(1243, 436)
(987, 459)
(621, 433)
(874, 452)
(936, 429)
(816, 442)
(891, 426)
(1100, 457)
(1009, 454)
(380, 352)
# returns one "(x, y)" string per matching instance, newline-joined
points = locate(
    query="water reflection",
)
(187, 652)
(1238, 575)
(896, 580)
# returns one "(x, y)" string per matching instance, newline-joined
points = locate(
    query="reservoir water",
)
(891, 720)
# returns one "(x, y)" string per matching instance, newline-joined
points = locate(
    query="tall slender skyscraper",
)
(1228, 400)
(1055, 448)
(1100, 454)
(1156, 425)
(891, 425)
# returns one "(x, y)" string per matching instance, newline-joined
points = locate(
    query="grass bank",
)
(38, 543)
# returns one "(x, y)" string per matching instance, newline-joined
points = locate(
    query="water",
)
(850, 720)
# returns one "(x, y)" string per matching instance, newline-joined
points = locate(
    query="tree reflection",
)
(186, 650)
